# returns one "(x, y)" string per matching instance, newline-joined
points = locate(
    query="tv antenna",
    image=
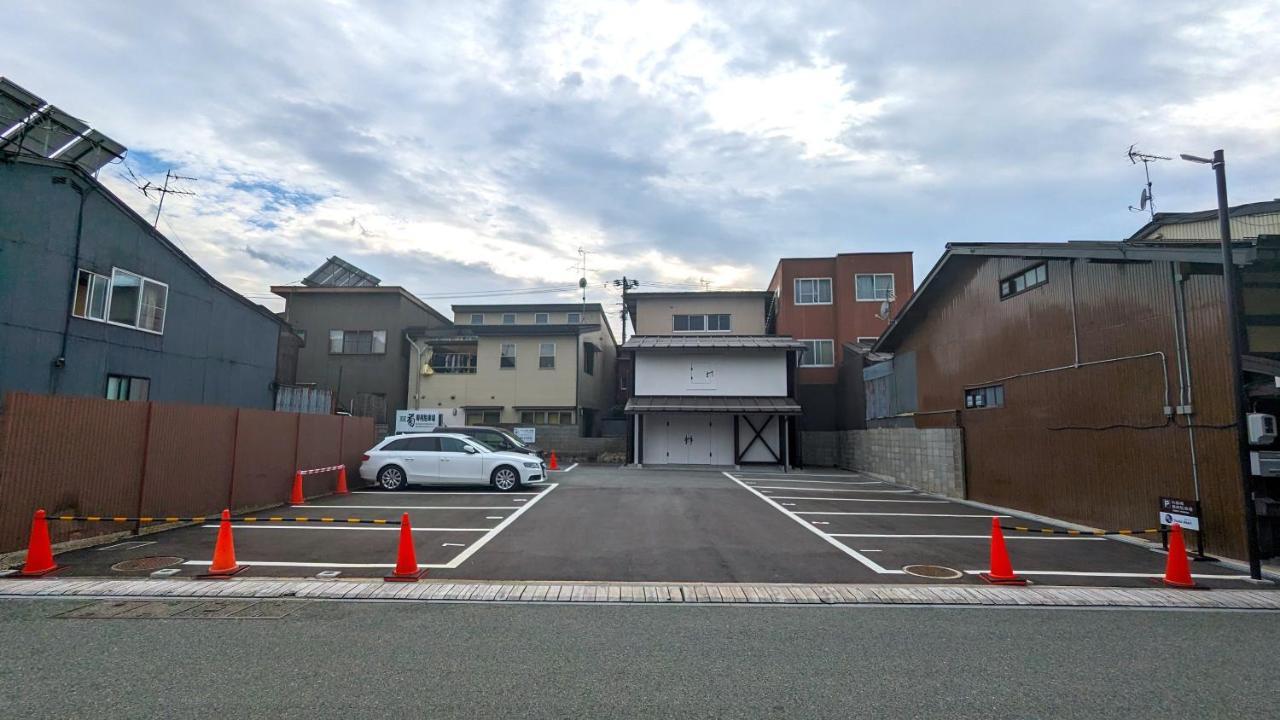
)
(1146, 201)
(582, 278)
(149, 187)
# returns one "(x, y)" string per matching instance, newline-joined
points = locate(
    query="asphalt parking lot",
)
(596, 523)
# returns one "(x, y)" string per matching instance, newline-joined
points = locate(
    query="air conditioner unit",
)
(1262, 428)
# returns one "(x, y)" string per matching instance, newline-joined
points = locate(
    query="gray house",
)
(96, 302)
(353, 337)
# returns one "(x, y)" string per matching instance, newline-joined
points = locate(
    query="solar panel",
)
(35, 127)
(336, 272)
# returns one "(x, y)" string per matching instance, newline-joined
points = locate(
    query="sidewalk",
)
(667, 593)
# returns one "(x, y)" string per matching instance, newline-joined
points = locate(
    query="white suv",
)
(429, 458)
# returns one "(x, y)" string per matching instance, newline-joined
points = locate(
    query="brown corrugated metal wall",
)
(1089, 444)
(87, 456)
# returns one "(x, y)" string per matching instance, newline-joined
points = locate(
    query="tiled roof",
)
(767, 342)
(721, 404)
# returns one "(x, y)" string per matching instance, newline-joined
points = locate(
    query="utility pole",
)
(1235, 328)
(149, 187)
(626, 285)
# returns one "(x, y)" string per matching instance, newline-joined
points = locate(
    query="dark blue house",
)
(94, 301)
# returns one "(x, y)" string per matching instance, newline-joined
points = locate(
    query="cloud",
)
(467, 147)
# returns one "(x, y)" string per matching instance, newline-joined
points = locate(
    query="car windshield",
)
(481, 445)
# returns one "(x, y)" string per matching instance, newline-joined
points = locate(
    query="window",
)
(495, 440)
(573, 318)
(123, 387)
(1032, 277)
(547, 356)
(818, 353)
(546, 417)
(357, 342)
(508, 318)
(484, 417)
(589, 358)
(541, 318)
(508, 359)
(451, 445)
(423, 444)
(397, 445)
(477, 318)
(873, 287)
(700, 323)
(302, 337)
(127, 299)
(991, 396)
(867, 340)
(91, 296)
(813, 291)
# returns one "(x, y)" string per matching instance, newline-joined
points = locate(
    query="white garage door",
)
(688, 439)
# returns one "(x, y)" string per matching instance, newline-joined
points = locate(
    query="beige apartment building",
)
(548, 365)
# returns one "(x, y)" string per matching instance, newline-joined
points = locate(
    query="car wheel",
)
(506, 478)
(392, 478)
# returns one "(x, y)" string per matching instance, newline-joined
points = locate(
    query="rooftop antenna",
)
(1147, 200)
(705, 283)
(149, 187)
(582, 279)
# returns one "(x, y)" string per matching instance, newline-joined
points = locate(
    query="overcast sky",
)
(463, 147)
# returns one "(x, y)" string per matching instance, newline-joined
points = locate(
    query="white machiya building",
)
(710, 387)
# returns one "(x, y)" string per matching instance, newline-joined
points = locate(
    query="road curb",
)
(647, 593)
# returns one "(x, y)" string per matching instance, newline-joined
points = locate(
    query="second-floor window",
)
(508, 318)
(1032, 277)
(541, 318)
(123, 387)
(701, 323)
(573, 318)
(878, 286)
(477, 318)
(357, 342)
(813, 291)
(125, 298)
(547, 356)
(818, 353)
(508, 356)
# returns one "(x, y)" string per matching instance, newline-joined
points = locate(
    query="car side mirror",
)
(470, 450)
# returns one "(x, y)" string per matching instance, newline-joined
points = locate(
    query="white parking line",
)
(823, 482)
(749, 474)
(868, 562)
(968, 537)
(808, 489)
(892, 514)
(407, 507)
(339, 525)
(432, 493)
(565, 470)
(271, 563)
(836, 499)
(462, 556)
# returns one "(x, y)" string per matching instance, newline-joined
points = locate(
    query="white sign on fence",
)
(526, 435)
(418, 420)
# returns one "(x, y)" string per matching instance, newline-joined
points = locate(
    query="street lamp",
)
(1231, 295)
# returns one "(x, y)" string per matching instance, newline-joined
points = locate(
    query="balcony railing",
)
(454, 364)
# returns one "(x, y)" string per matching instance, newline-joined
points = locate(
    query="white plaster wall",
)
(753, 372)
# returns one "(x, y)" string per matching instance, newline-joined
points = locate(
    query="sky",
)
(468, 150)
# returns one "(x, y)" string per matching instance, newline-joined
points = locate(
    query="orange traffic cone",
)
(1177, 573)
(1001, 569)
(342, 481)
(296, 497)
(39, 550)
(224, 552)
(553, 464)
(406, 559)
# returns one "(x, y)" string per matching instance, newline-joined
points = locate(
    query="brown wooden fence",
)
(86, 456)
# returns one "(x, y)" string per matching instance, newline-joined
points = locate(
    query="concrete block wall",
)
(571, 448)
(930, 459)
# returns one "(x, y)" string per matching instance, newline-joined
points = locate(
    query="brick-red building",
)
(830, 303)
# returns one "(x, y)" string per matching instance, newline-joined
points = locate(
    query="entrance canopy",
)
(723, 404)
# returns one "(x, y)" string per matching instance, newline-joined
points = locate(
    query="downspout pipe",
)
(417, 370)
(60, 362)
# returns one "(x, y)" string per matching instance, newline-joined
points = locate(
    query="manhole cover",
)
(936, 572)
(146, 564)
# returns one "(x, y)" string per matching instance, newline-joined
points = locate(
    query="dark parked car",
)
(496, 438)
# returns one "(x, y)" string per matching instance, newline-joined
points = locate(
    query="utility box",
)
(1262, 428)
(1264, 464)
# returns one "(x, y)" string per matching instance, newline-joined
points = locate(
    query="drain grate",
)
(146, 564)
(935, 572)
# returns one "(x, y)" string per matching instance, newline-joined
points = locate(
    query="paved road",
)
(390, 660)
